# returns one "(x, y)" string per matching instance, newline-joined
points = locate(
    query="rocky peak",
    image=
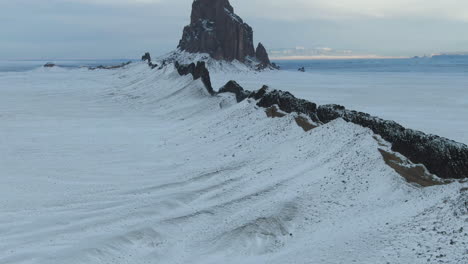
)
(262, 55)
(215, 29)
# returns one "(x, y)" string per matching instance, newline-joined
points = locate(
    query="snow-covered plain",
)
(139, 166)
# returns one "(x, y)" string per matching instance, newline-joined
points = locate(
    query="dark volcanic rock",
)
(146, 57)
(198, 71)
(215, 29)
(262, 55)
(275, 66)
(441, 156)
(235, 88)
(286, 102)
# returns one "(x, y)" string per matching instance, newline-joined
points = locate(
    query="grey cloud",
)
(124, 28)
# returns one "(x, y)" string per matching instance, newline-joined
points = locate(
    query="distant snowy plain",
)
(140, 166)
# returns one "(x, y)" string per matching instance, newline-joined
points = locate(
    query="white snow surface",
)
(435, 103)
(221, 67)
(142, 166)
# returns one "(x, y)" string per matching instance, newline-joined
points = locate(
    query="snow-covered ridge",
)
(446, 158)
(213, 65)
(136, 165)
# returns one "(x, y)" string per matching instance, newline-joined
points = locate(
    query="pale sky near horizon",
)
(55, 29)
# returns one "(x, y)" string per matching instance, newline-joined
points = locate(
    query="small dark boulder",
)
(302, 69)
(111, 67)
(49, 65)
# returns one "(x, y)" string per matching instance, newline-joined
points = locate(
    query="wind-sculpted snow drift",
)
(442, 157)
(139, 165)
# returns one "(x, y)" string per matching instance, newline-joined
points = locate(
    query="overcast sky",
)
(54, 29)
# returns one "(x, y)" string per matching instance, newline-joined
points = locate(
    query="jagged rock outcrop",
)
(198, 71)
(286, 102)
(147, 57)
(441, 156)
(235, 88)
(262, 55)
(215, 29)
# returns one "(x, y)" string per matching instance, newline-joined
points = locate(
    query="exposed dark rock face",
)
(441, 156)
(302, 69)
(286, 102)
(198, 71)
(147, 58)
(262, 55)
(49, 65)
(275, 66)
(235, 88)
(215, 29)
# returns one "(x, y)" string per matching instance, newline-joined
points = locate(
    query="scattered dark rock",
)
(164, 63)
(302, 69)
(442, 157)
(198, 71)
(49, 65)
(101, 67)
(235, 88)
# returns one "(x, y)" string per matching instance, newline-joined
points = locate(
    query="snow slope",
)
(139, 166)
(435, 103)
